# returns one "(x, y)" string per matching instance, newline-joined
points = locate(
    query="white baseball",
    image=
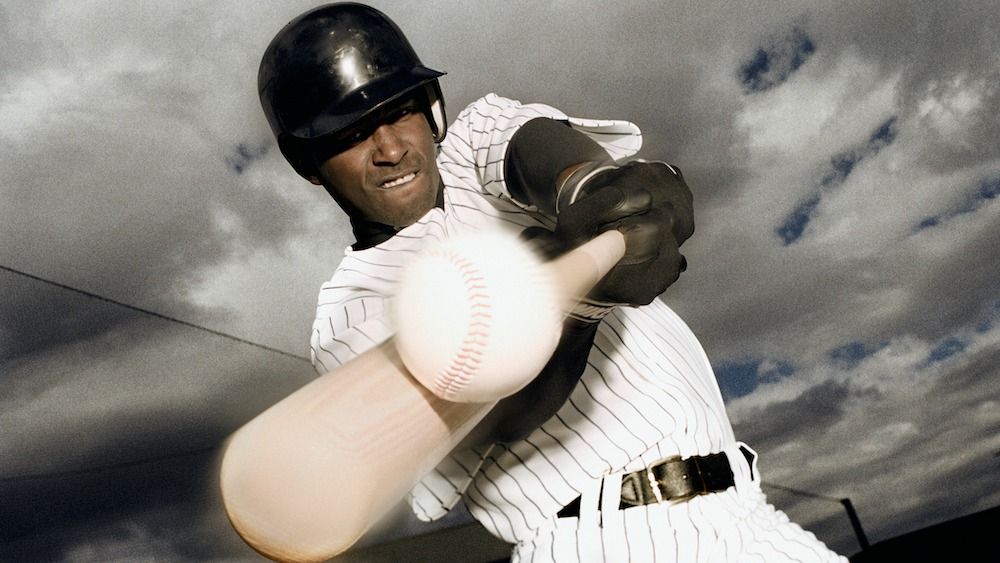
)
(477, 317)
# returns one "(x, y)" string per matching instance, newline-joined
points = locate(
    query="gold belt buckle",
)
(693, 490)
(660, 479)
(654, 484)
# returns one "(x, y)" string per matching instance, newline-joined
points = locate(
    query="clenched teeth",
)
(399, 181)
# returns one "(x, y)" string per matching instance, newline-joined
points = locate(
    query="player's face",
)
(387, 172)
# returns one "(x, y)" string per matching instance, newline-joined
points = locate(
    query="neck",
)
(369, 233)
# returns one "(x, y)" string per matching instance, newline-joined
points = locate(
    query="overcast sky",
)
(844, 276)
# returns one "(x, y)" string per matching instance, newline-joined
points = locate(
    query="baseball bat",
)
(306, 478)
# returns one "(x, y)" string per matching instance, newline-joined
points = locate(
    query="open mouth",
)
(398, 181)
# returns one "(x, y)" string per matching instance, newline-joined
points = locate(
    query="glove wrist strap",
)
(572, 187)
(591, 311)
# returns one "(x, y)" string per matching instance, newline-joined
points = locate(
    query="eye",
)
(352, 138)
(401, 113)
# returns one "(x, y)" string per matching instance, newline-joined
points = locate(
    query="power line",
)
(143, 461)
(152, 313)
(799, 492)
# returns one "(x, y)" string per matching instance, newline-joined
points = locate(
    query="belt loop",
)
(745, 458)
(611, 497)
(671, 481)
(698, 483)
(590, 498)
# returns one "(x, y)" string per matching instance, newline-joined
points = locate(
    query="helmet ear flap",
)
(440, 125)
(297, 155)
(435, 111)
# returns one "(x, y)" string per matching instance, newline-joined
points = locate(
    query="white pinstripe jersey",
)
(648, 391)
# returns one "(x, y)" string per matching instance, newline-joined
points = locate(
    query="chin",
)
(408, 209)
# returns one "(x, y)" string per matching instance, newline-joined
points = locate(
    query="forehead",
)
(326, 147)
(386, 113)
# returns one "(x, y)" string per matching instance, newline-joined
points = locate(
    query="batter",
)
(621, 450)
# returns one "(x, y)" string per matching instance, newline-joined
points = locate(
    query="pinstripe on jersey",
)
(648, 391)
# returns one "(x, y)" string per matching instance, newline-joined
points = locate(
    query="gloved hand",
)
(650, 203)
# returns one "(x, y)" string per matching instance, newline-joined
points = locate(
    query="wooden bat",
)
(307, 477)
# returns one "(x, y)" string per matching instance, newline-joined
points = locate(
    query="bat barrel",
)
(306, 478)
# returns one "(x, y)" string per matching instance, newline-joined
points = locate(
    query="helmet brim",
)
(368, 98)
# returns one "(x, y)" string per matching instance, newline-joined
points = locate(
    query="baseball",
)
(477, 317)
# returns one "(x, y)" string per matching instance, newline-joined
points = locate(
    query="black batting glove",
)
(655, 184)
(650, 203)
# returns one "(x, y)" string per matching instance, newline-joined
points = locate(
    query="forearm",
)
(516, 416)
(541, 156)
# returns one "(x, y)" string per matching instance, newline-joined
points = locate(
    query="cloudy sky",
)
(844, 276)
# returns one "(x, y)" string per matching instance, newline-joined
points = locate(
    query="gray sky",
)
(843, 276)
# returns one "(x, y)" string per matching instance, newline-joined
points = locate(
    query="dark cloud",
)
(144, 245)
(165, 510)
(874, 439)
(957, 294)
(138, 166)
(822, 405)
(126, 469)
(37, 316)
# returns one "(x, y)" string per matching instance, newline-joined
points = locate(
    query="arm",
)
(369, 428)
(565, 174)
(514, 417)
(540, 159)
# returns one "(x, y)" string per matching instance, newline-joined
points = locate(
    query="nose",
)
(389, 147)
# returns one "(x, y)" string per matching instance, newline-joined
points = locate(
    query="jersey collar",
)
(371, 233)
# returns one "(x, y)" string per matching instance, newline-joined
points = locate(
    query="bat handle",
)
(579, 270)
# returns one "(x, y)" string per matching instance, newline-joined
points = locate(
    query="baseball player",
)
(621, 449)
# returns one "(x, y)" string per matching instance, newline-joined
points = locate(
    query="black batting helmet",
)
(333, 65)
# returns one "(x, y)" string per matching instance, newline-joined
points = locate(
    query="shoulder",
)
(493, 106)
(378, 268)
(492, 102)
(499, 115)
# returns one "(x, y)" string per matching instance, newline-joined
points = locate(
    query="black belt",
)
(671, 480)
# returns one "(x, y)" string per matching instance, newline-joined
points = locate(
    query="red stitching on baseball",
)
(469, 358)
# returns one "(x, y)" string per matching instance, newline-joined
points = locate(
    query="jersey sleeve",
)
(439, 491)
(350, 320)
(480, 135)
